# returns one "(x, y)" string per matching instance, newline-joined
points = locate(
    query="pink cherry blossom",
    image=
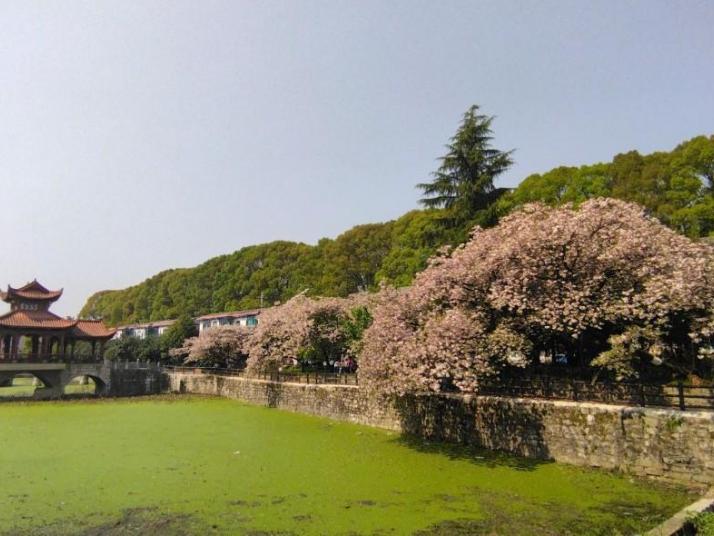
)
(544, 280)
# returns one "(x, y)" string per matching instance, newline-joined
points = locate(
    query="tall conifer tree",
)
(464, 183)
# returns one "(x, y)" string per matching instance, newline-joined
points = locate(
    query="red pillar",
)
(45, 347)
(14, 344)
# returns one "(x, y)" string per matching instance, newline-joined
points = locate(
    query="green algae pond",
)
(192, 465)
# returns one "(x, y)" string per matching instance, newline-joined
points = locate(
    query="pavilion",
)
(51, 337)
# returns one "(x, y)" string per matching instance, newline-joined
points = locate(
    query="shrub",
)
(703, 523)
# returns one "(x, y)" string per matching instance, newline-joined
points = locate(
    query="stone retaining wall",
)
(661, 443)
(136, 381)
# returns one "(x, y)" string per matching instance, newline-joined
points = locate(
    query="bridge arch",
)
(24, 384)
(85, 384)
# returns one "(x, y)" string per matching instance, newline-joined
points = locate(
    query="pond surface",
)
(190, 465)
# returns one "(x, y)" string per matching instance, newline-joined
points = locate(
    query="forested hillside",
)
(676, 186)
(355, 260)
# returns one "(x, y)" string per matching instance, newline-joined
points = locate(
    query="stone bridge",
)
(111, 378)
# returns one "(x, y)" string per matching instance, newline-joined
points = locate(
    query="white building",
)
(240, 318)
(247, 318)
(144, 330)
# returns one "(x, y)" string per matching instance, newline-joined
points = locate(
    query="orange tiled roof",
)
(31, 291)
(231, 314)
(35, 320)
(92, 329)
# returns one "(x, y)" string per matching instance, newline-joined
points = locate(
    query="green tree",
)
(123, 349)
(416, 236)
(174, 337)
(464, 183)
(674, 186)
(353, 259)
(698, 155)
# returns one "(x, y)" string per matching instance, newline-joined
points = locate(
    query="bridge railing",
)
(79, 359)
(51, 358)
(134, 364)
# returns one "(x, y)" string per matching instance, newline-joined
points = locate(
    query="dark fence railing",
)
(135, 364)
(678, 395)
(316, 377)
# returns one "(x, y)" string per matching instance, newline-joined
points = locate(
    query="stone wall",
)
(662, 443)
(136, 381)
(341, 402)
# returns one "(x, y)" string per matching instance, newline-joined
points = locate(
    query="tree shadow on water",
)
(471, 453)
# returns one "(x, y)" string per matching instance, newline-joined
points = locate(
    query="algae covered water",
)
(189, 465)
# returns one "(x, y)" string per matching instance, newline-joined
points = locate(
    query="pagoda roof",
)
(31, 291)
(35, 320)
(92, 329)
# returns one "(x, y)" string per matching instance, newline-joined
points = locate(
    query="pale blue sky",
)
(138, 136)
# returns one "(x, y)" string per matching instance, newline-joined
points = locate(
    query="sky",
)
(137, 136)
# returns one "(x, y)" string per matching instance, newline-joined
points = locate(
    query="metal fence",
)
(135, 364)
(317, 377)
(678, 395)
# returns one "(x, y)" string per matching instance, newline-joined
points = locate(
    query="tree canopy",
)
(602, 285)
(674, 186)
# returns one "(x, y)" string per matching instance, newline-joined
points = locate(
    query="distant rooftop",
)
(230, 314)
(140, 325)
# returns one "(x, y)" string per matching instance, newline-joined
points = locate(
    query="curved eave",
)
(51, 296)
(92, 330)
(36, 326)
(89, 338)
(35, 320)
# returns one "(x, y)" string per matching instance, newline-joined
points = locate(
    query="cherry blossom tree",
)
(310, 331)
(223, 346)
(584, 282)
